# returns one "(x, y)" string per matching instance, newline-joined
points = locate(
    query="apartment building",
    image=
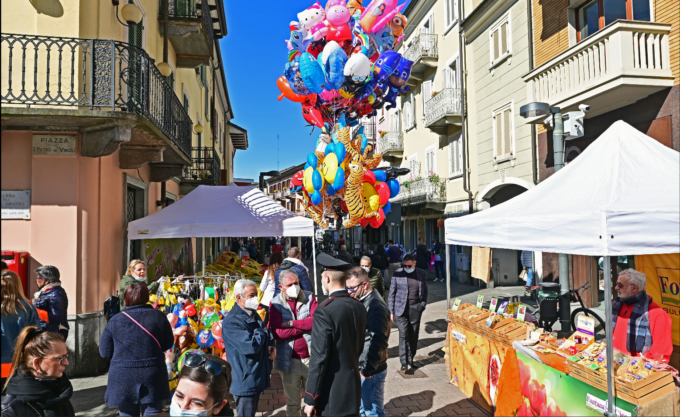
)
(280, 189)
(109, 113)
(424, 128)
(620, 57)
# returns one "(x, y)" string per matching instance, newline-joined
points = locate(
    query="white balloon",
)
(328, 50)
(357, 65)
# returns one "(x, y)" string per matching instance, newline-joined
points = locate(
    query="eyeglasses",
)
(354, 289)
(211, 366)
(621, 285)
(61, 360)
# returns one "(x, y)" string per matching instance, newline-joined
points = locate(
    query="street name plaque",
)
(16, 204)
(54, 145)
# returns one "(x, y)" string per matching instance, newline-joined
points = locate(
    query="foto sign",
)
(16, 204)
(54, 145)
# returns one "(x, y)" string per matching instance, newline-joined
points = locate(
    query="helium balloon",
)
(383, 191)
(330, 167)
(387, 207)
(339, 181)
(340, 151)
(312, 160)
(307, 181)
(330, 190)
(317, 179)
(371, 196)
(312, 115)
(380, 175)
(378, 220)
(316, 198)
(397, 24)
(311, 73)
(335, 68)
(205, 338)
(310, 18)
(378, 14)
(337, 16)
(394, 187)
(330, 148)
(217, 330)
(369, 177)
(364, 222)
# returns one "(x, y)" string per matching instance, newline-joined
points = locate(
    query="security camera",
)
(584, 107)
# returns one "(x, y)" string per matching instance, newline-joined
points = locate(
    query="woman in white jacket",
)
(267, 285)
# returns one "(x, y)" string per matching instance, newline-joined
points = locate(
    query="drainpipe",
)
(534, 143)
(461, 54)
(166, 17)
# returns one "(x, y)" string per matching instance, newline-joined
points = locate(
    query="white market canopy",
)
(621, 196)
(221, 211)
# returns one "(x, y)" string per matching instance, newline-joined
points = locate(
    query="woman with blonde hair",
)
(136, 272)
(17, 313)
(37, 384)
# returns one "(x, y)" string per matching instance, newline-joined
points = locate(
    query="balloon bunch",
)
(340, 179)
(341, 60)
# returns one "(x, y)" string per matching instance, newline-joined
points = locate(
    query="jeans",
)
(439, 269)
(409, 327)
(134, 410)
(293, 384)
(246, 406)
(530, 277)
(373, 395)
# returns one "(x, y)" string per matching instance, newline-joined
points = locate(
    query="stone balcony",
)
(424, 54)
(391, 144)
(190, 31)
(422, 191)
(617, 66)
(443, 111)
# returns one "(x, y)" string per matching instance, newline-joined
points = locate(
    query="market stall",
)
(621, 196)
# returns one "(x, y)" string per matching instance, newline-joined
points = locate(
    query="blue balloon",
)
(387, 207)
(364, 143)
(340, 152)
(312, 160)
(334, 69)
(312, 74)
(317, 180)
(339, 179)
(316, 197)
(306, 166)
(330, 148)
(380, 175)
(394, 187)
(330, 190)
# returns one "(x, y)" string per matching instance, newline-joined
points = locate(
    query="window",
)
(430, 161)
(451, 12)
(451, 76)
(499, 40)
(395, 122)
(503, 133)
(426, 92)
(426, 38)
(409, 120)
(455, 156)
(413, 167)
(595, 15)
(186, 102)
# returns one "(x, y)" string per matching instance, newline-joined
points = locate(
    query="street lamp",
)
(131, 13)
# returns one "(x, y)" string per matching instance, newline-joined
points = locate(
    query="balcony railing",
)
(391, 142)
(96, 73)
(421, 191)
(446, 103)
(423, 46)
(205, 166)
(369, 128)
(624, 53)
(181, 8)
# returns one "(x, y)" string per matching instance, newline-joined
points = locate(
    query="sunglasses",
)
(211, 366)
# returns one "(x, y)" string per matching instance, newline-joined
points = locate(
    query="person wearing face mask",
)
(334, 383)
(51, 301)
(37, 385)
(291, 317)
(374, 276)
(293, 262)
(641, 327)
(407, 301)
(202, 388)
(136, 272)
(249, 347)
(373, 359)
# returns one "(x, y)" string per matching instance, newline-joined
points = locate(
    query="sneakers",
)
(404, 368)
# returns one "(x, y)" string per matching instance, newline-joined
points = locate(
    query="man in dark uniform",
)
(334, 383)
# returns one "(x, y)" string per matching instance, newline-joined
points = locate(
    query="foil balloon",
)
(310, 19)
(335, 67)
(205, 338)
(210, 319)
(291, 95)
(378, 13)
(216, 330)
(312, 115)
(312, 74)
(397, 24)
(337, 16)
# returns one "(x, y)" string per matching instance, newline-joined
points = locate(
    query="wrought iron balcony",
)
(616, 66)
(391, 144)
(421, 191)
(109, 78)
(443, 110)
(190, 31)
(423, 52)
(369, 128)
(205, 166)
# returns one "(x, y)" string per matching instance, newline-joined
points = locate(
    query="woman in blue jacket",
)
(17, 313)
(134, 341)
(51, 301)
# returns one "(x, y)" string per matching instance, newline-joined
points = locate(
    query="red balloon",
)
(369, 177)
(296, 181)
(343, 206)
(383, 191)
(364, 222)
(291, 95)
(191, 310)
(313, 116)
(378, 220)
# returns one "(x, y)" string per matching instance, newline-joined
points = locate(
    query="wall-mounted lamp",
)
(164, 68)
(130, 12)
(198, 128)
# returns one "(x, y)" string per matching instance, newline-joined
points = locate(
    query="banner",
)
(167, 257)
(663, 284)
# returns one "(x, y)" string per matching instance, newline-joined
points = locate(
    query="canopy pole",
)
(203, 272)
(609, 332)
(128, 252)
(316, 285)
(448, 278)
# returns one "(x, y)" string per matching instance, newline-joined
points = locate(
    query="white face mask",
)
(252, 303)
(366, 268)
(138, 279)
(293, 291)
(176, 411)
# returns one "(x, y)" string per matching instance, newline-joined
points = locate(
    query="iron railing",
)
(96, 73)
(445, 103)
(425, 190)
(369, 128)
(391, 141)
(423, 46)
(205, 165)
(191, 9)
(207, 22)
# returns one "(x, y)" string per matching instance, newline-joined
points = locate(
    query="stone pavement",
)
(427, 393)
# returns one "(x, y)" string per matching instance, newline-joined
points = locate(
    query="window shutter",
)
(496, 45)
(455, 10)
(499, 134)
(413, 110)
(504, 38)
(427, 93)
(507, 132)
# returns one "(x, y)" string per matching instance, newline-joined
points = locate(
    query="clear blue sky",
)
(254, 54)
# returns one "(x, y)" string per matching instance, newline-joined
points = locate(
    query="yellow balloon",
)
(329, 167)
(371, 99)
(371, 197)
(307, 180)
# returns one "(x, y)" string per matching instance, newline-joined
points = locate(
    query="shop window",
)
(595, 15)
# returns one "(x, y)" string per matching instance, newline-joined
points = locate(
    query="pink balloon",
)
(330, 95)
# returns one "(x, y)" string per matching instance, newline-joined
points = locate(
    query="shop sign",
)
(54, 145)
(600, 406)
(16, 204)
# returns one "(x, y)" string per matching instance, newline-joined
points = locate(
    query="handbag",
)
(523, 274)
(111, 306)
(143, 328)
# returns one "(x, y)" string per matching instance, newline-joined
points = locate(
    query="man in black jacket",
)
(334, 383)
(373, 360)
(343, 255)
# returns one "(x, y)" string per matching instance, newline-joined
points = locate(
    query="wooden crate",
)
(638, 392)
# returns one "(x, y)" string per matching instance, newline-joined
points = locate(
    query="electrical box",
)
(18, 262)
(573, 125)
